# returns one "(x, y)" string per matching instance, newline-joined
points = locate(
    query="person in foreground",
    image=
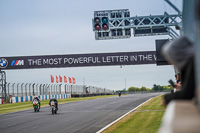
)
(180, 53)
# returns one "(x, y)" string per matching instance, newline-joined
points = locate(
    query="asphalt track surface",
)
(76, 117)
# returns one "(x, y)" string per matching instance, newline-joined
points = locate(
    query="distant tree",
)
(161, 88)
(132, 89)
(155, 87)
(143, 88)
(167, 87)
(124, 90)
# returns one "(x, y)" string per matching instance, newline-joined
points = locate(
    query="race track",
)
(75, 117)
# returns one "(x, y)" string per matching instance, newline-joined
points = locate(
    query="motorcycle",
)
(36, 106)
(119, 94)
(53, 107)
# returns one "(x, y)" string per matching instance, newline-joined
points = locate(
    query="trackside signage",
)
(78, 60)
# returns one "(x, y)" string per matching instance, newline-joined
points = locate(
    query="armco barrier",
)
(41, 97)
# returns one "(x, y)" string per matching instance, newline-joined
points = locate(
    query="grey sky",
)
(52, 27)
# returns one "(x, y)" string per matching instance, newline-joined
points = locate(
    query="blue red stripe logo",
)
(17, 63)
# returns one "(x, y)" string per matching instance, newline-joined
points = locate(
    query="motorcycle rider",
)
(55, 101)
(119, 93)
(36, 98)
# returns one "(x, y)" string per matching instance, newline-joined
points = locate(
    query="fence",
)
(33, 89)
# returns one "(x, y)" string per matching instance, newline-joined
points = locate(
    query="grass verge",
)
(13, 107)
(146, 119)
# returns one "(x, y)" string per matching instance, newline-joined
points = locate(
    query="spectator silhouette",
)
(180, 53)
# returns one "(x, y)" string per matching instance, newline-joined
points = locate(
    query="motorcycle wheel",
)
(35, 109)
(52, 111)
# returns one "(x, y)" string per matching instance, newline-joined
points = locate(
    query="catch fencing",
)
(33, 89)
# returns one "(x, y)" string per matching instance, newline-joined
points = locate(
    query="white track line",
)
(121, 117)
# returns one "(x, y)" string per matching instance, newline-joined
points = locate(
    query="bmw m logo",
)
(3, 63)
(17, 63)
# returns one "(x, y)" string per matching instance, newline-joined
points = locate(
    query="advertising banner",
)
(78, 60)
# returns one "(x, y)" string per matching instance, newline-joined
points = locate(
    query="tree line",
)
(154, 88)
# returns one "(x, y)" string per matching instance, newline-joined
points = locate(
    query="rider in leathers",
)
(55, 101)
(36, 98)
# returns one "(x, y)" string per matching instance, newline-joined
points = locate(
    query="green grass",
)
(13, 107)
(146, 119)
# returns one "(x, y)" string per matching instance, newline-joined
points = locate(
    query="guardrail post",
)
(54, 87)
(26, 89)
(51, 89)
(8, 89)
(65, 88)
(13, 89)
(22, 88)
(33, 89)
(60, 86)
(17, 89)
(36, 89)
(30, 92)
(40, 87)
